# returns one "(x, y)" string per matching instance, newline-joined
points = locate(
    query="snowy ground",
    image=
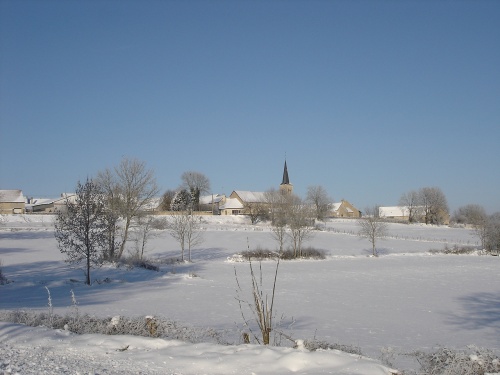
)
(404, 300)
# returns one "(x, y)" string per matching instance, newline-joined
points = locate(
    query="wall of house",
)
(12, 208)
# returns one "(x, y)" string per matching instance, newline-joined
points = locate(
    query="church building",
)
(239, 201)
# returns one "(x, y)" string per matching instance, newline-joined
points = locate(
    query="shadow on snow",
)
(28, 283)
(481, 310)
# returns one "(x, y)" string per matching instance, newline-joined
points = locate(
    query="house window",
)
(235, 212)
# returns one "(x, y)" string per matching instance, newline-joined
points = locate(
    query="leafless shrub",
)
(148, 326)
(471, 361)
(261, 306)
(455, 250)
(261, 254)
(136, 262)
(314, 344)
(307, 253)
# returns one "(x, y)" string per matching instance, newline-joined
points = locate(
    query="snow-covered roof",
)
(336, 206)
(11, 196)
(41, 201)
(251, 196)
(65, 197)
(231, 204)
(207, 199)
(393, 211)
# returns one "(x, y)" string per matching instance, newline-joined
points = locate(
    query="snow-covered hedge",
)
(148, 326)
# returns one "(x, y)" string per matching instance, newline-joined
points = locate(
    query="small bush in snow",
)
(118, 325)
(455, 250)
(136, 262)
(306, 253)
(471, 361)
(262, 254)
(314, 344)
(259, 254)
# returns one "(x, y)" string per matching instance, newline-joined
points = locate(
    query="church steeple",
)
(286, 180)
(286, 186)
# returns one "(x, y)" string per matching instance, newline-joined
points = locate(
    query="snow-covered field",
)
(404, 300)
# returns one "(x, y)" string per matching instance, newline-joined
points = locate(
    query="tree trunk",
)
(125, 235)
(88, 269)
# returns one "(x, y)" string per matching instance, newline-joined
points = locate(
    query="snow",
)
(406, 299)
(41, 350)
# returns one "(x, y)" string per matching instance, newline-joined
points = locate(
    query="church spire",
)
(286, 186)
(286, 180)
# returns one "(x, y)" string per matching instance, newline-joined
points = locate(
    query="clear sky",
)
(370, 99)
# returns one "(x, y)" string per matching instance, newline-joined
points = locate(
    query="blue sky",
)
(370, 99)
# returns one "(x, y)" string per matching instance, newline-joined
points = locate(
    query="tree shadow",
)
(27, 234)
(378, 251)
(480, 310)
(15, 250)
(28, 282)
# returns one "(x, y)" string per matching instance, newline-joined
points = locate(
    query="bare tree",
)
(411, 201)
(492, 241)
(474, 215)
(136, 187)
(372, 227)
(278, 207)
(112, 202)
(256, 211)
(194, 236)
(434, 205)
(300, 221)
(272, 197)
(196, 183)
(80, 230)
(185, 229)
(146, 226)
(318, 197)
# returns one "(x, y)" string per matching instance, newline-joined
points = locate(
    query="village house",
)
(344, 209)
(399, 213)
(239, 200)
(50, 205)
(402, 213)
(212, 203)
(12, 202)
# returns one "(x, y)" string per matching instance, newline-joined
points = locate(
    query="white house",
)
(394, 212)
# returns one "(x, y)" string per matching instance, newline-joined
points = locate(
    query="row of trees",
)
(96, 226)
(316, 204)
(427, 203)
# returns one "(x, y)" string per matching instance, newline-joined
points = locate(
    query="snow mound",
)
(28, 350)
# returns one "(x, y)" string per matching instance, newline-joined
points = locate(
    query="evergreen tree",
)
(181, 201)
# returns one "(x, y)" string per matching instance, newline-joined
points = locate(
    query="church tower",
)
(286, 186)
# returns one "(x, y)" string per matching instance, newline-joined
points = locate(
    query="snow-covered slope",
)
(406, 299)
